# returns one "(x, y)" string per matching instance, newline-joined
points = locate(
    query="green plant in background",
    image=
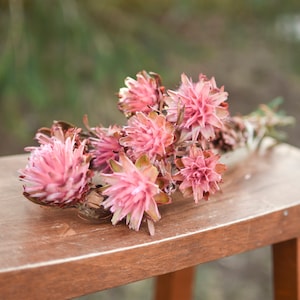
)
(59, 59)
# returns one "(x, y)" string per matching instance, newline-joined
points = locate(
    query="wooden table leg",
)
(176, 285)
(286, 265)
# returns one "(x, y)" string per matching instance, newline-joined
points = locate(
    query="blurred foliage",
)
(60, 59)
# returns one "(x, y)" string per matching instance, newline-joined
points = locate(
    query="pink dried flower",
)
(233, 135)
(202, 105)
(132, 191)
(60, 130)
(200, 173)
(105, 146)
(57, 173)
(148, 134)
(143, 94)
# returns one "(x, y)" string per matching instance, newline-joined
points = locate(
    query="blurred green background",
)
(60, 59)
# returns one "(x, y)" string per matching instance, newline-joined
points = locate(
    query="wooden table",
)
(52, 254)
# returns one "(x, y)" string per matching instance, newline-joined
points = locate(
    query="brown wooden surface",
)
(286, 264)
(51, 254)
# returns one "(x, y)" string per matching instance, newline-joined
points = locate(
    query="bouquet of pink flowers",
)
(173, 140)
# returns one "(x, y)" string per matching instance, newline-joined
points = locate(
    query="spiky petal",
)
(200, 173)
(202, 104)
(57, 173)
(131, 191)
(105, 146)
(143, 94)
(148, 134)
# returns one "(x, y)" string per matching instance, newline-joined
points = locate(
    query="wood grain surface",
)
(48, 253)
(286, 270)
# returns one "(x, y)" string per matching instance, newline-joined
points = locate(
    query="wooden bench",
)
(52, 254)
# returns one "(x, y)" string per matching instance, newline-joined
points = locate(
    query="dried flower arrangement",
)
(173, 140)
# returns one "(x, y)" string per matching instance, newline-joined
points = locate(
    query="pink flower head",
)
(131, 191)
(105, 146)
(57, 173)
(143, 94)
(200, 173)
(148, 134)
(59, 130)
(202, 105)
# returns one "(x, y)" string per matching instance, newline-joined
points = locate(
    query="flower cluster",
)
(173, 140)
